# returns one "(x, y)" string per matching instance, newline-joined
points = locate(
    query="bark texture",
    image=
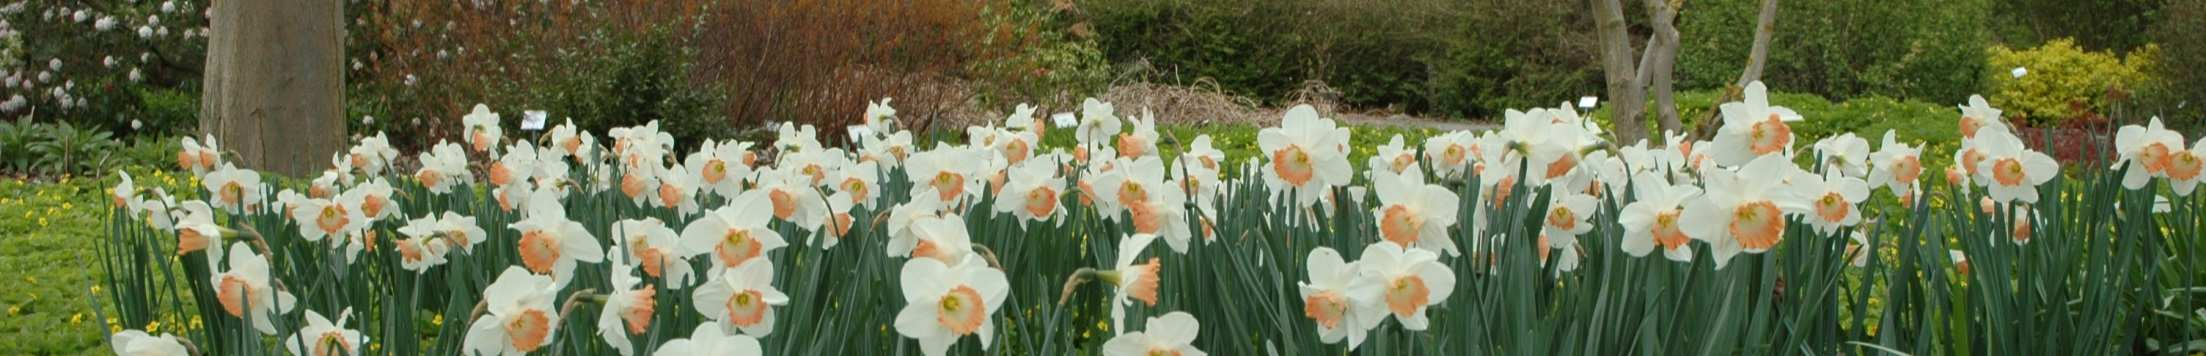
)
(1630, 82)
(274, 83)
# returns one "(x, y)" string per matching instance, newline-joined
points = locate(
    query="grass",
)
(47, 235)
(49, 229)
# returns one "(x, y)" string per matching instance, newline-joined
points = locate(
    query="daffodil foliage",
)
(1538, 238)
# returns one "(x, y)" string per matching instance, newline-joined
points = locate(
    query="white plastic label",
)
(1064, 119)
(532, 120)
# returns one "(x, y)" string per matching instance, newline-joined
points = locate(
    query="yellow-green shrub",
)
(2063, 81)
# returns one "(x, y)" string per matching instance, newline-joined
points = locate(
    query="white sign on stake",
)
(1064, 119)
(532, 120)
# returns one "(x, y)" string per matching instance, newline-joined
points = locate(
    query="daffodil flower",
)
(627, 310)
(1979, 115)
(1753, 128)
(791, 198)
(520, 318)
(1098, 123)
(1142, 140)
(1305, 156)
(2149, 151)
(247, 291)
(1743, 211)
(1343, 305)
(1412, 213)
(1133, 279)
(1033, 193)
(552, 245)
(709, 339)
(1171, 334)
(650, 245)
(444, 166)
(2009, 171)
(720, 168)
(947, 173)
(1833, 200)
(890, 149)
(947, 302)
(198, 158)
(1569, 214)
(139, 343)
(878, 116)
(735, 233)
(741, 298)
(1896, 166)
(234, 189)
(1656, 218)
(482, 131)
(324, 337)
(1845, 153)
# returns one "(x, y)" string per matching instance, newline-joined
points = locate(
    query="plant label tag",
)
(532, 120)
(1064, 119)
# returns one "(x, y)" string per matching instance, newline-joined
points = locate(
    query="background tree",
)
(274, 86)
(1629, 82)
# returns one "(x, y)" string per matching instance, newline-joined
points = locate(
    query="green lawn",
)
(49, 236)
(47, 240)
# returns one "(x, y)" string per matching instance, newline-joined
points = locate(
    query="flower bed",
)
(1539, 238)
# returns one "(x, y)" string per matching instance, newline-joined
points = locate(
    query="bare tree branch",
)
(1765, 25)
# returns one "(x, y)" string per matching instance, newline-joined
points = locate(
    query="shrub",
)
(166, 111)
(1512, 54)
(640, 80)
(1842, 49)
(2063, 81)
(1455, 58)
(1057, 70)
(28, 148)
(700, 66)
(93, 63)
(1247, 46)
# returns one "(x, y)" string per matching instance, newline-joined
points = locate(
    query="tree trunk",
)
(1661, 73)
(1625, 95)
(274, 83)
